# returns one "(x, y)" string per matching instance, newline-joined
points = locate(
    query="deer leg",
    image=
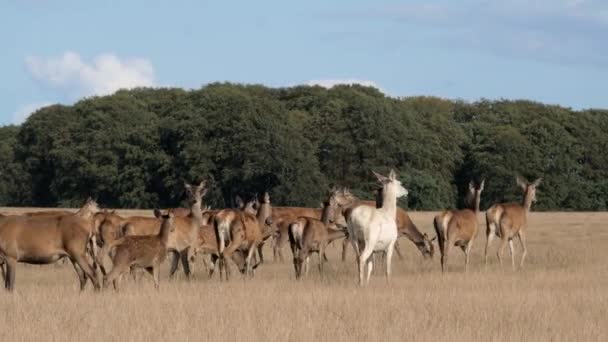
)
(280, 244)
(467, 253)
(366, 259)
(322, 247)
(522, 241)
(156, 274)
(489, 237)
(389, 258)
(275, 248)
(88, 270)
(501, 247)
(260, 249)
(235, 243)
(512, 254)
(370, 268)
(3, 269)
(344, 248)
(213, 262)
(174, 264)
(183, 255)
(9, 281)
(398, 250)
(447, 246)
(115, 275)
(81, 276)
(250, 253)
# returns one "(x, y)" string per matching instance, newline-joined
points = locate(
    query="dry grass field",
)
(561, 294)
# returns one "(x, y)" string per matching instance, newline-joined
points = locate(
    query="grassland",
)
(561, 294)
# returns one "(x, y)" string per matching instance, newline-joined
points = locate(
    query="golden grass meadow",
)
(561, 294)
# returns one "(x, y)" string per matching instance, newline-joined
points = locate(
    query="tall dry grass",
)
(562, 294)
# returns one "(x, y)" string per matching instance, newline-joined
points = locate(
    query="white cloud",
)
(104, 75)
(333, 82)
(24, 112)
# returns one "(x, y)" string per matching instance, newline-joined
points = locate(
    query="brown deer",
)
(510, 220)
(114, 226)
(282, 217)
(264, 215)
(308, 235)
(238, 230)
(459, 227)
(405, 226)
(187, 229)
(48, 213)
(46, 239)
(207, 246)
(146, 252)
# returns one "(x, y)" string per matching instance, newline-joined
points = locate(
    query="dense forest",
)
(136, 148)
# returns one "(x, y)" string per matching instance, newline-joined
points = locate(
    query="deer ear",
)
(537, 182)
(471, 186)
(481, 185)
(239, 202)
(392, 175)
(157, 213)
(187, 186)
(204, 192)
(522, 182)
(382, 179)
(202, 184)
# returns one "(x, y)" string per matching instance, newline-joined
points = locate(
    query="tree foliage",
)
(135, 148)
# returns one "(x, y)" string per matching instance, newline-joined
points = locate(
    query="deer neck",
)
(335, 234)
(389, 201)
(476, 200)
(325, 215)
(164, 233)
(527, 201)
(264, 212)
(195, 210)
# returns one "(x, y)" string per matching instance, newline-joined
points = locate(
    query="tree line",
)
(135, 148)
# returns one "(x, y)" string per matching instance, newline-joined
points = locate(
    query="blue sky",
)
(554, 51)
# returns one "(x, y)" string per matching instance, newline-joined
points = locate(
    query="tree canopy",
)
(136, 148)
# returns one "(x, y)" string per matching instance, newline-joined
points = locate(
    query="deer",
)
(187, 229)
(264, 215)
(239, 230)
(282, 217)
(144, 251)
(459, 227)
(207, 245)
(374, 229)
(46, 239)
(308, 235)
(48, 213)
(405, 226)
(509, 220)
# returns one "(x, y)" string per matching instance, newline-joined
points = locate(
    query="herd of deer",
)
(89, 237)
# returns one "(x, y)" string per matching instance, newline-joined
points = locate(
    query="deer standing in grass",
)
(374, 229)
(510, 220)
(405, 226)
(459, 227)
(239, 230)
(188, 229)
(308, 235)
(46, 239)
(147, 252)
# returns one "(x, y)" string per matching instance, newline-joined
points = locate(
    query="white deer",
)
(374, 229)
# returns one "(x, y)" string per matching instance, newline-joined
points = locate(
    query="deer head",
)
(391, 185)
(529, 189)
